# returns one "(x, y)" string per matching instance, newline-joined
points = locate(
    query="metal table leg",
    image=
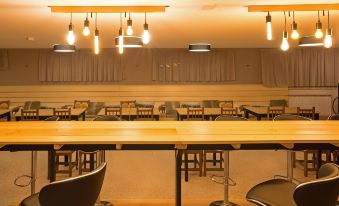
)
(178, 161)
(226, 183)
(290, 165)
(34, 158)
(52, 166)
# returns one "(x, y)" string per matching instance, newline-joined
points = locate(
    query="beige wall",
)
(23, 68)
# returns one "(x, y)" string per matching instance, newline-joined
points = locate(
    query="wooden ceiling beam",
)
(292, 7)
(107, 9)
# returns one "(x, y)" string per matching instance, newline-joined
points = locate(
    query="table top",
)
(263, 110)
(49, 112)
(129, 111)
(207, 111)
(4, 111)
(169, 132)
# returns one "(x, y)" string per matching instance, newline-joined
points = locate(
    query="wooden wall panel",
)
(55, 95)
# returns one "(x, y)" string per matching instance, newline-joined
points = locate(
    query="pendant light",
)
(328, 37)
(294, 34)
(96, 36)
(146, 36)
(319, 28)
(268, 26)
(284, 44)
(121, 37)
(86, 31)
(129, 30)
(70, 35)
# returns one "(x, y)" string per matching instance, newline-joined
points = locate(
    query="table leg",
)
(186, 166)
(258, 117)
(178, 160)
(84, 116)
(290, 165)
(91, 162)
(246, 114)
(52, 166)
(9, 116)
(319, 161)
(33, 170)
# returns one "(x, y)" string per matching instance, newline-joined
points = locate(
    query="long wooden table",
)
(5, 113)
(173, 135)
(76, 114)
(131, 113)
(261, 111)
(209, 113)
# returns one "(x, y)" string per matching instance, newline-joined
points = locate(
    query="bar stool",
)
(227, 180)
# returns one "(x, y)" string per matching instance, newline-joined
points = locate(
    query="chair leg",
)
(204, 162)
(200, 163)
(80, 163)
(221, 160)
(70, 165)
(305, 163)
(214, 158)
(195, 161)
(186, 167)
(294, 160)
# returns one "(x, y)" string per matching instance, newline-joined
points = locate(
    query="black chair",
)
(279, 192)
(107, 118)
(227, 181)
(52, 118)
(77, 191)
(334, 117)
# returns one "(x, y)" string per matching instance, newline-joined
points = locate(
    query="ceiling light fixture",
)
(70, 35)
(130, 42)
(310, 41)
(295, 34)
(328, 38)
(86, 31)
(63, 48)
(319, 28)
(121, 39)
(96, 36)
(284, 44)
(146, 38)
(129, 30)
(268, 26)
(200, 47)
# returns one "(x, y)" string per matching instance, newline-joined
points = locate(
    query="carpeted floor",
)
(149, 175)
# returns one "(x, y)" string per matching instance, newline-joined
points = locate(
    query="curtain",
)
(81, 66)
(4, 59)
(179, 65)
(306, 67)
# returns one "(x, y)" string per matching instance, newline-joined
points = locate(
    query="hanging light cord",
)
(71, 18)
(129, 15)
(328, 18)
(293, 16)
(145, 18)
(318, 15)
(87, 15)
(96, 20)
(120, 20)
(285, 21)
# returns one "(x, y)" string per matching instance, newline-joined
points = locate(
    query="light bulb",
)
(319, 32)
(268, 27)
(295, 34)
(129, 30)
(146, 36)
(284, 44)
(121, 42)
(70, 35)
(328, 38)
(96, 42)
(86, 30)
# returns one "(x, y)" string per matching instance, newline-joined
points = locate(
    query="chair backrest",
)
(52, 118)
(110, 111)
(228, 111)
(309, 113)
(81, 104)
(274, 111)
(226, 104)
(282, 117)
(128, 104)
(78, 191)
(107, 118)
(230, 118)
(278, 103)
(323, 191)
(145, 114)
(30, 105)
(210, 103)
(29, 115)
(171, 107)
(63, 114)
(195, 114)
(334, 117)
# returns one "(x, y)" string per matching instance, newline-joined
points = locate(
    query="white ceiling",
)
(223, 23)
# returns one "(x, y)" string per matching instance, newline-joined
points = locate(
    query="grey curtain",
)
(81, 66)
(306, 67)
(179, 65)
(4, 59)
